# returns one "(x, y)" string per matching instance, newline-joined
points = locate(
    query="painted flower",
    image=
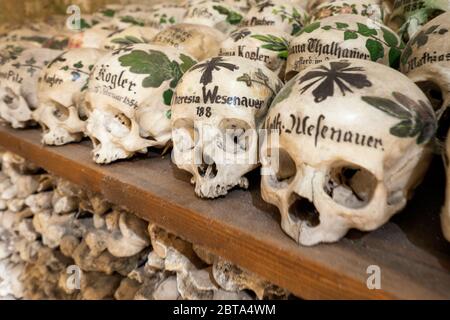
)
(340, 73)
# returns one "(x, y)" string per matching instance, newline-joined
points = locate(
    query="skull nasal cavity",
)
(304, 210)
(208, 168)
(350, 186)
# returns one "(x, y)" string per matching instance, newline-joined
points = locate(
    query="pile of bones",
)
(340, 104)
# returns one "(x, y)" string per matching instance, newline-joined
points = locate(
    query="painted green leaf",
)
(78, 65)
(233, 17)
(108, 13)
(394, 58)
(311, 27)
(326, 28)
(388, 106)
(167, 96)
(390, 38)
(365, 30)
(169, 114)
(348, 35)
(375, 48)
(341, 25)
(403, 129)
(154, 63)
(187, 62)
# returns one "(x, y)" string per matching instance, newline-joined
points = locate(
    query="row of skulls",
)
(323, 95)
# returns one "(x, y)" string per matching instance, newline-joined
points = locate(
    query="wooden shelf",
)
(410, 250)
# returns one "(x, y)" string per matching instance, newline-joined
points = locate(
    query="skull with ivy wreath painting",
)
(128, 99)
(343, 36)
(325, 118)
(218, 106)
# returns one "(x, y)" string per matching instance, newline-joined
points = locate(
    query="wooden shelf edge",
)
(303, 271)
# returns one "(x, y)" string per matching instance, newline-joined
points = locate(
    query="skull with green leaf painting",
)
(408, 17)
(19, 85)
(262, 44)
(128, 99)
(62, 85)
(351, 148)
(343, 37)
(218, 106)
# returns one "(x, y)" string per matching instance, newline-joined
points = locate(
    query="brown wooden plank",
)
(410, 250)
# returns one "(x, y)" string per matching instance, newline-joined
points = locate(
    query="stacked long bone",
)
(60, 242)
(330, 77)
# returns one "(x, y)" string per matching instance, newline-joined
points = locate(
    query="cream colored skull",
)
(408, 17)
(216, 110)
(278, 14)
(94, 37)
(372, 9)
(215, 14)
(352, 147)
(263, 44)
(128, 99)
(200, 41)
(61, 85)
(18, 85)
(343, 37)
(426, 61)
(129, 36)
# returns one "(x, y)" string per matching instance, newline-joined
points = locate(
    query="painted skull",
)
(351, 148)
(18, 85)
(372, 9)
(129, 36)
(217, 108)
(342, 37)
(215, 14)
(200, 41)
(278, 14)
(60, 91)
(262, 44)
(408, 17)
(128, 99)
(426, 61)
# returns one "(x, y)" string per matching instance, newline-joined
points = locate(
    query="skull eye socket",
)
(236, 136)
(282, 166)
(433, 92)
(184, 135)
(60, 112)
(350, 186)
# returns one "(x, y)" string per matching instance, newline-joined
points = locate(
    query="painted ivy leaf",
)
(31, 61)
(167, 96)
(154, 63)
(326, 28)
(261, 76)
(108, 13)
(172, 20)
(376, 49)
(65, 68)
(84, 24)
(91, 67)
(311, 27)
(131, 20)
(394, 57)
(187, 63)
(388, 106)
(245, 78)
(348, 35)
(365, 30)
(341, 25)
(233, 17)
(78, 65)
(390, 38)
(169, 114)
